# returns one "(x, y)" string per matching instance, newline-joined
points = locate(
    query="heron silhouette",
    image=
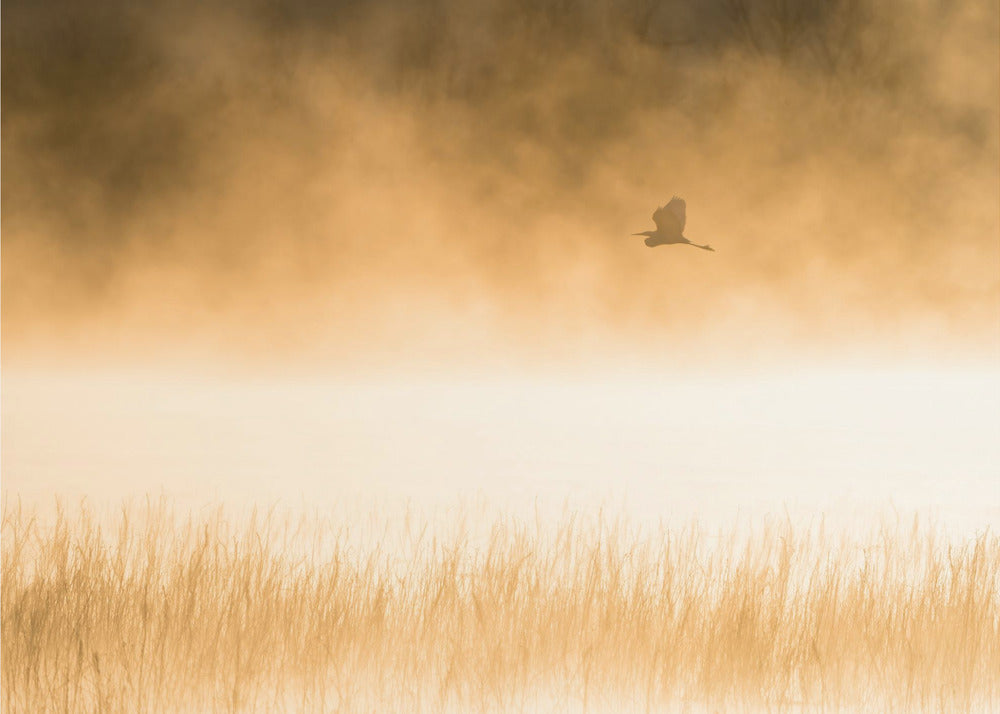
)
(669, 222)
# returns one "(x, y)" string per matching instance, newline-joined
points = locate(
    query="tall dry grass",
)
(274, 613)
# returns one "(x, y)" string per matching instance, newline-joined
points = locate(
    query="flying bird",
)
(669, 222)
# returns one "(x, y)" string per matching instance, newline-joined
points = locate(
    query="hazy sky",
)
(454, 181)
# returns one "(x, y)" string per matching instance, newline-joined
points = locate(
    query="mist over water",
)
(305, 249)
(451, 182)
(716, 449)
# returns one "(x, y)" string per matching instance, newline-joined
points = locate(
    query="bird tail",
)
(704, 247)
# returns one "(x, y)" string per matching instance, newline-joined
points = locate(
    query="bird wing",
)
(670, 219)
(679, 209)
